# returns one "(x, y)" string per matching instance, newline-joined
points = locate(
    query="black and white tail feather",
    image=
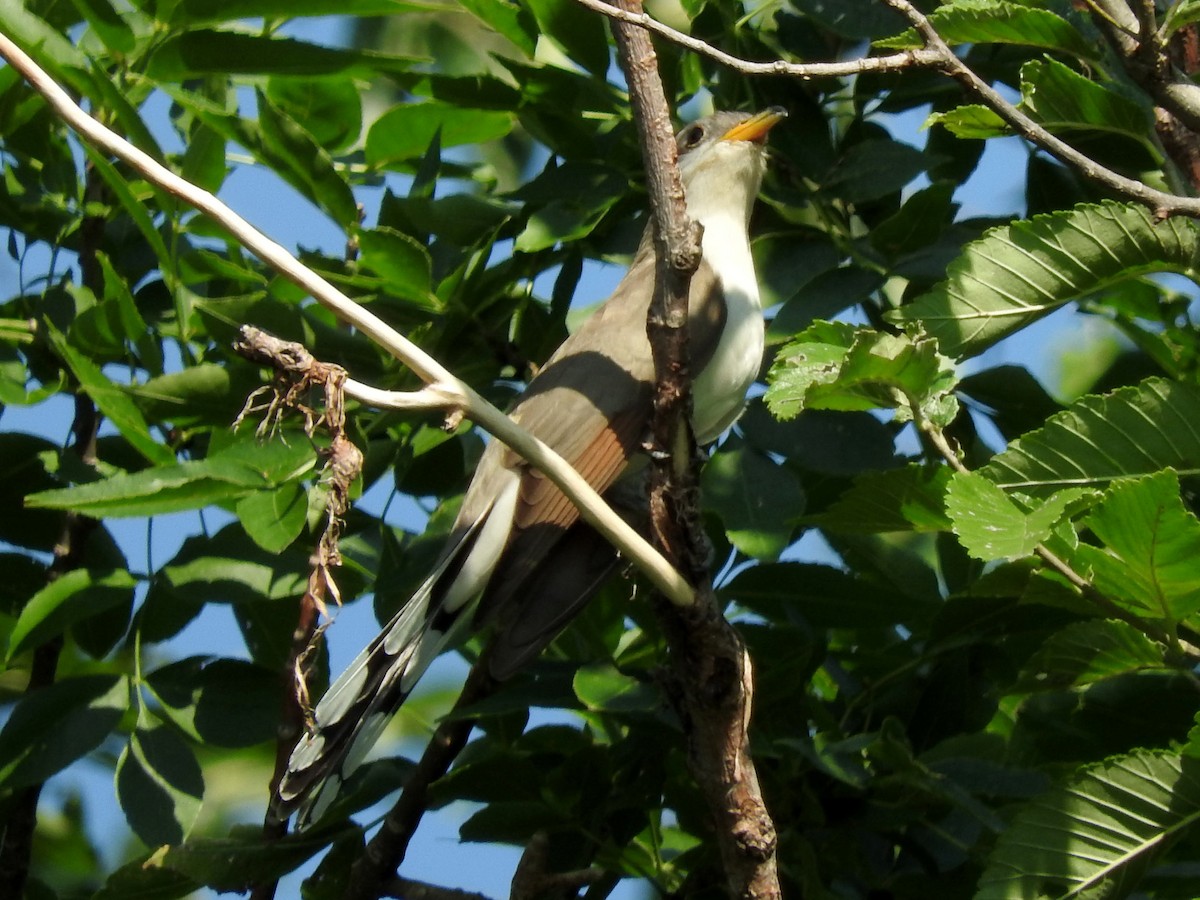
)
(353, 713)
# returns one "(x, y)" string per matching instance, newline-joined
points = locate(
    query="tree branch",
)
(938, 56)
(592, 507)
(384, 853)
(713, 685)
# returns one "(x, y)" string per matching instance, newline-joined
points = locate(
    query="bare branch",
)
(895, 62)
(531, 880)
(592, 507)
(938, 56)
(386, 850)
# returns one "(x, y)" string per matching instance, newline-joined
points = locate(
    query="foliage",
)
(980, 683)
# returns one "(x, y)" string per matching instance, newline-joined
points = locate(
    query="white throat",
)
(721, 192)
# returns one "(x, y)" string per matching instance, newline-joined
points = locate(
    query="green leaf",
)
(233, 863)
(602, 688)
(113, 402)
(189, 485)
(225, 476)
(1096, 835)
(111, 28)
(1062, 99)
(576, 29)
(757, 499)
(834, 365)
(1086, 652)
(75, 595)
(226, 568)
(992, 526)
(874, 169)
(997, 22)
(1180, 15)
(1018, 273)
(509, 19)
(51, 728)
(1131, 432)
(1151, 544)
(194, 11)
(329, 108)
(159, 786)
(906, 499)
(200, 52)
(222, 702)
(404, 132)
(402, 263)
(275, 518)
(305, 164)
(971, 121)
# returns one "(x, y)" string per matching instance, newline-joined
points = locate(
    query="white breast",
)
(720, 389)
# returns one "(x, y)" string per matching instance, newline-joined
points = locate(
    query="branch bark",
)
(712, 684)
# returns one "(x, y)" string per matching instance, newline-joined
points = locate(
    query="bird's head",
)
(721, 161)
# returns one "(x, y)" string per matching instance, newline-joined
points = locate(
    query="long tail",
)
(354, 711)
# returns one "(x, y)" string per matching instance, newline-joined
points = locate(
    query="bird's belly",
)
(719, 390)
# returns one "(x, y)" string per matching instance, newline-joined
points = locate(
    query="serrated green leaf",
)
(159, 786)
(833, 365)
(998, 22)
(51, 728)
(1151, 544)
(1097, 834)
(274, 518)
(509, 19)
(992, 526)
(1131, 432)
(1061, 99)
(1086, 652)
(75, 595)
(972, 121)
(1018, 273)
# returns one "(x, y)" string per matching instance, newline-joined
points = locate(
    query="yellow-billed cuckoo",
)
(518, 553)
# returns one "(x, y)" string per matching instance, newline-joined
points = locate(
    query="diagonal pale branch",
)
(454, 392)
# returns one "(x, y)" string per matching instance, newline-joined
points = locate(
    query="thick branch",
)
(592, 507)
(712, 685)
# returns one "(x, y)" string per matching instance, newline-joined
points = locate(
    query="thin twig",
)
(895, 62)
(408, 889)
(938, 56)
(591, 506)
(386, 850)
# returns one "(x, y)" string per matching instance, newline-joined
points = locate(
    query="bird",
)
(519, 556)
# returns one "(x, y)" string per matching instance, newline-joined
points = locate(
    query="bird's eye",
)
(694, 135)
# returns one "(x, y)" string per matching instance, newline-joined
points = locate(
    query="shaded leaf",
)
(757, 499)
(51, 728)
(906, 499)
(73, 596)
(1097, 834)
(1086, 652)
(159, 786)
(601, 687)
(1151, 544)
(274, 518)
